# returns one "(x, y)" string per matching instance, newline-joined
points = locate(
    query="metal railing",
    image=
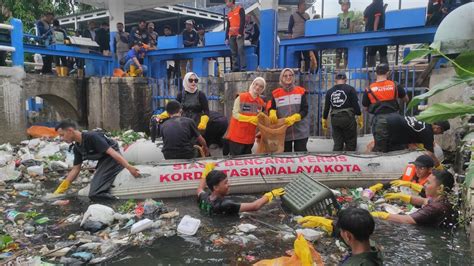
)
(16, 36)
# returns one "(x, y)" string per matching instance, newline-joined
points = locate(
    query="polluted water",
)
(37, 229)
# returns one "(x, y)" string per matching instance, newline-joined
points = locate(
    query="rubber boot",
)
(65, 71)
(133, 71)
(370, 60)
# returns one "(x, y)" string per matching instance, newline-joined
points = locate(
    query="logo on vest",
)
(338, 98)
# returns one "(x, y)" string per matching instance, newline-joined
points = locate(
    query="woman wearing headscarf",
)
(290, 102)
(194, 101)
(243, 124)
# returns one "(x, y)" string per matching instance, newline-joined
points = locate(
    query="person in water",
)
(436, 210)
(216, 202)
(93, 146)
(354, 226)
(243, 124)
(416, 174)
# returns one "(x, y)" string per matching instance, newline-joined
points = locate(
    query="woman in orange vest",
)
(243, 124)
(290, 102)
(416, 174)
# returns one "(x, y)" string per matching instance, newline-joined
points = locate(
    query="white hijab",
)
(186, 82)
(252, 91)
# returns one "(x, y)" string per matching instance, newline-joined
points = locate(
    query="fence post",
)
(17, 42)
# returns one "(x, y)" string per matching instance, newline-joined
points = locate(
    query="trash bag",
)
(272, 136)
(304, 255)
(42, 131)
(99, 213)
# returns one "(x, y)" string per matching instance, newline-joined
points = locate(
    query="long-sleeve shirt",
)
(341, 96)
(241, 27)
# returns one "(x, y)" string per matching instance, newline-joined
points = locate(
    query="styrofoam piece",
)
(188, 225)
(310, 234)
(141, 225)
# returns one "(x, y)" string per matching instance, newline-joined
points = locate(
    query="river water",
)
(401, 244)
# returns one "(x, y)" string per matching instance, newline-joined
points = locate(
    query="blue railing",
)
(16, 36)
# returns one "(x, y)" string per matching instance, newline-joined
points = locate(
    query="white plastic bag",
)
(99, 213)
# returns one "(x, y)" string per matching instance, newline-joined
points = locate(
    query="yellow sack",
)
(304, 255)
(272, 136)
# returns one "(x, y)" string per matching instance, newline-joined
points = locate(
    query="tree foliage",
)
(31, 10)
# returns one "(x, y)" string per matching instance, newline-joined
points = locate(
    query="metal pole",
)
(17, 42)
(322, 9)
(397, 47)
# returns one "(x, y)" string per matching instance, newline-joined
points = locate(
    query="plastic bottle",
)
(141, 225)
(14, 216)
(367, 194)
(24, 186)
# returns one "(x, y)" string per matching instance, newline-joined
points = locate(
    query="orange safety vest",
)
(234, 21)
(382, 94)
(243, 132)
(410, 173)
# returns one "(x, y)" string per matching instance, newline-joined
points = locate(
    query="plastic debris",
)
(99, 213)
(141, 225)
(60, 202)
(246, 228)
(170, 215)
(188, 225)
(35, 170)
(310, 234)
(84, 256)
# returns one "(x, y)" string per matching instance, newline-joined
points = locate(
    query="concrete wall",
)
(119, 103)
(12, 104)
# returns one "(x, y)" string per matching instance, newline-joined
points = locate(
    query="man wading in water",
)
(215, 202)
(93, 146)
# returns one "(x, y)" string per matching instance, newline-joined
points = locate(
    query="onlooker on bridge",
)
(171, 64)
(102, 37)
(90, 31)
(59, 36)
(346, 25)
(296, 27)
(121, 42)
(152, 35)
(190, 39)
(374, 16)
(132, 60)
(235, 35)
(43, 27)
(201, 35)
(140, 33)
(252, 32)
(438, 9)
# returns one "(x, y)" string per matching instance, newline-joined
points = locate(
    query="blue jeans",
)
(130, 62)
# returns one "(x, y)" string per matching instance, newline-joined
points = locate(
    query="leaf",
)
(446, 84)
(444, 111)
(414, 54)
(5, 240)
(466, 61)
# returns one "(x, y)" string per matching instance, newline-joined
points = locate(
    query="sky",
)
(332, 7)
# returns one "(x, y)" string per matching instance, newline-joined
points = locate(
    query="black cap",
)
(382, 69)
(341, 75)
(424, 161)
(443, 124)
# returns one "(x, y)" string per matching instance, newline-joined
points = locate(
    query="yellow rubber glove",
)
(376, 187)
(207, 169)
(63, 187)
(203, 123)
(360, 121)
(402, 183)
(316, 221)
(273, 116)
(275, 192)
(164, 115)
(290, 120)
(398, 196)
(380, 215)
(248, 119)
(324, 124)
(302, 250)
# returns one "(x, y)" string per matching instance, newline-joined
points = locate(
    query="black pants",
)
(106, 171)
(47, 64)
(215, 131)
(299, 145)
(344, 131)
(239, 149)
(380, 132)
